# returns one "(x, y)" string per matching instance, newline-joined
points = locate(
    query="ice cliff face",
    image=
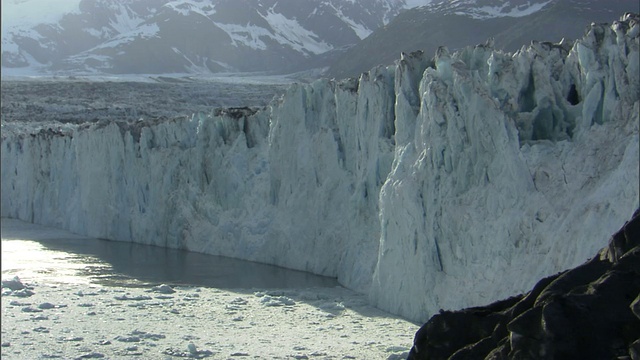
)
(435, 183)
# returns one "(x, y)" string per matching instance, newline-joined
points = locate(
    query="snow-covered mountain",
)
(460, 23)
(438, 182)
(161, 36)
(177, 36)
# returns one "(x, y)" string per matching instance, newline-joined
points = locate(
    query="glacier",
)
(440, 182)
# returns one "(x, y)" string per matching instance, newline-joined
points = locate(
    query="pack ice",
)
(439, 182)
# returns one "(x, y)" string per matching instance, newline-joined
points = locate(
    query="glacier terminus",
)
(440, 182)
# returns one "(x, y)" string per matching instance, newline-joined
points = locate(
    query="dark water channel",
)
(36, 253)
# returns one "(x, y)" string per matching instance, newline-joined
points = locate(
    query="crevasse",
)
(442, 182)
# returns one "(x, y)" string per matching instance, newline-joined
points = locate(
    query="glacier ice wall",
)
(441, 182)
(511, 169)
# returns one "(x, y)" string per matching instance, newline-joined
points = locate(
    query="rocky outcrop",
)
(589, 312)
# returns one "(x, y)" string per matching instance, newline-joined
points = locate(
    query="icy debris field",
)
(73, 317)
(79, 101)
(70, 321)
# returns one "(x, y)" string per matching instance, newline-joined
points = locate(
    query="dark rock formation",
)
(589, 312)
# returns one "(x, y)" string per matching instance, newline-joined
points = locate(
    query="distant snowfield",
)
(69, 317)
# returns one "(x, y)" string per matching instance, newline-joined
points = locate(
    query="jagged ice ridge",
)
(442, 182)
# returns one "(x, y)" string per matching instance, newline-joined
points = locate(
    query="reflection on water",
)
(33, 261)
(42, 255)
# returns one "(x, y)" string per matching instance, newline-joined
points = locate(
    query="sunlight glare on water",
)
(30, 260)
(55, 256)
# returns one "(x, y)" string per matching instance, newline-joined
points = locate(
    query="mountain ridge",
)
(273, 36)
(456, 24)
(160, 36)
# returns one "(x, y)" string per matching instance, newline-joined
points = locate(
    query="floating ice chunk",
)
(278, 301)
(13, 284)
(133, 298)
(92, 355)
(163, 289)
(30, 309)
(22, 293)
(239, 301)
(128, 339)
(46, 306)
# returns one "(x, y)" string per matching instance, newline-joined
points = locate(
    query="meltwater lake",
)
(44, 254)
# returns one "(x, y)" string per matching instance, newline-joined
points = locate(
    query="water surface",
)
(37, 253)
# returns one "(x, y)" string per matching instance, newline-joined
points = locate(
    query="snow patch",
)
(142, 31)
(409, 4)
(125, 20)
(361, 30)
(248, 35)
(489, 12)
(186, 7)
(285, 31)
(289, 32)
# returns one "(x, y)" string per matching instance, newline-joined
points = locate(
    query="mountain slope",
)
(160, 36)
(462, 23)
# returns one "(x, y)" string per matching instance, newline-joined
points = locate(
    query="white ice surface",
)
(425, 188)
